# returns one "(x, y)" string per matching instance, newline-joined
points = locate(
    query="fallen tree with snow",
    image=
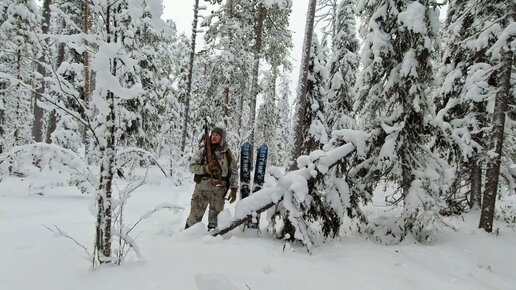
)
(291, 188)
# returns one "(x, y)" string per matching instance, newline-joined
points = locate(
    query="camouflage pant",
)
(204, 194)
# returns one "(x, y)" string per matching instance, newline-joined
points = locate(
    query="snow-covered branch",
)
(51, 156)
(133, 153)
(289, 186)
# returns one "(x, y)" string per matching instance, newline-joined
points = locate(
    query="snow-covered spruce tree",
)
(318, 216)
(463, 99)
(277, 44)
(394, 107)
(301, 96)
(3, 81)
(168, 146)
(180, 57)
(19, 48)
(342, 69)
(271, 40)
(466, 100)
(267, 119)
(277, 37)
(56, 58)
(205, 90)
(67, 85)
(284, 131)
(240, 35)
(343, 65)
(315, 133)
(146, 113)
(502, 57)
(202, 87)
(227, 40)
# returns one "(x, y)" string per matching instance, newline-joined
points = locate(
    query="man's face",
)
(215, 138)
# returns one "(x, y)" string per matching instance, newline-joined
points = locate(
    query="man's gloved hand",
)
(210, 168)
(232, 195)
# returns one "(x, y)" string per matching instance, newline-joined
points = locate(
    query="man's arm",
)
(196, 162)
(233, 172)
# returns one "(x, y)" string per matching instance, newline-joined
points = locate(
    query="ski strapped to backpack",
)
(245, 173)
(245, 169)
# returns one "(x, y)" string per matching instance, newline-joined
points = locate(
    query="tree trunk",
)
(37, 126)
(2, 116)
(240, 116)
(475, 175)
(85, 54)
(104, 213)
(475, 165)
(406, 179)
(258, 31)
(273, 143)
(500, 111)
(227, 90)
(3, 86)
(301, 88)
(189, 80)
(226, 106)
(52, 118)
(51, 126)
(334, 21)
(104, 202)
(87, 90)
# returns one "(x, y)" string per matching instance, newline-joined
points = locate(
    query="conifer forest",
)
(415, 98)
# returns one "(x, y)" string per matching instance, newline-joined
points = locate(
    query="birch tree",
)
(121, 79)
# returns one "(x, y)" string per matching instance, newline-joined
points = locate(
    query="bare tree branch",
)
(61, 233)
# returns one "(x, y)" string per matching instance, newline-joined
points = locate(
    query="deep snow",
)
(34, 258)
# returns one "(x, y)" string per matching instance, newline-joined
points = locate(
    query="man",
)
(211, 179)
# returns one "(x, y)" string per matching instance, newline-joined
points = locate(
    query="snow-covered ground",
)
(34, 258)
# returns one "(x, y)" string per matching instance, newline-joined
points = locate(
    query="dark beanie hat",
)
(218, 130)
(221, 132)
